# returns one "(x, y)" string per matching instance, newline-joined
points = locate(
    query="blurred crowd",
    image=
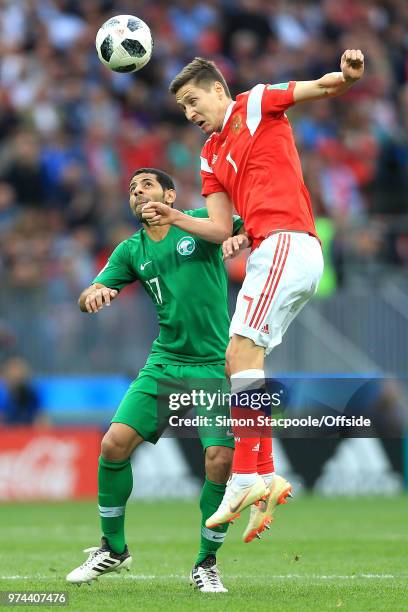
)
(72, 132)
(20, 402)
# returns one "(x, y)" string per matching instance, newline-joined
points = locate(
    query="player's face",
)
(203, 107)
(144, 188)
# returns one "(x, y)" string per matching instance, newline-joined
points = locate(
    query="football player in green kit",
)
(187, 281)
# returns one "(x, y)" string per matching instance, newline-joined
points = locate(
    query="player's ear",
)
(219, 89)
(170, 196)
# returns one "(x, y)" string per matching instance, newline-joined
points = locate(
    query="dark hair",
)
(164, 179)
(201, 72)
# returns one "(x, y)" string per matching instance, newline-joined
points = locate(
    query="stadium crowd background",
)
(71, 133)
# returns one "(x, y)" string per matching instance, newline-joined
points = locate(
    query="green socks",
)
(115, 482)
(211, 539)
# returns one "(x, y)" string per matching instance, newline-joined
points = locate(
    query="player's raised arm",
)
(93, 298)
(334, 83)
(217, 228)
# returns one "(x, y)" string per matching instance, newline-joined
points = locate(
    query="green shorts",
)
(140, 407)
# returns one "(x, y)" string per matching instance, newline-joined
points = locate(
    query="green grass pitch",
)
(320, 554)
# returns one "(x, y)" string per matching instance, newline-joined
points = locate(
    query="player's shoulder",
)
(262, 87)
(130, 244)
(244, 98)
(136, 237)
(197, 212)
(244, 95)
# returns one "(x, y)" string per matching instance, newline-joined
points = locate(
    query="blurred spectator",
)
(19, 401)
(9, 209)
(23, 170)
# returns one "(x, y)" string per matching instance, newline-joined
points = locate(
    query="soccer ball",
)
(124, 43)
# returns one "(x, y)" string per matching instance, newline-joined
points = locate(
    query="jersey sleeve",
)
(201, 213)
(237, 223)
(277, 98)
(118, 272)
(208, 181)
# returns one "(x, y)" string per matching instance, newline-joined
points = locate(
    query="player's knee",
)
(243, 354)
(229, 357)
(227, 370)
(233, 353)
(113, 448)
(218, 462)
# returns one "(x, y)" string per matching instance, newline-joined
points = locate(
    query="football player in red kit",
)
(250, 161)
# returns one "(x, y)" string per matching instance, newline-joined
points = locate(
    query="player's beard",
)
(140, 202)
(137, 210)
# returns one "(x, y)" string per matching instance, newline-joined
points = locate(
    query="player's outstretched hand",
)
(157, 213)
(233, 245)
(97, 298)
(352, 64)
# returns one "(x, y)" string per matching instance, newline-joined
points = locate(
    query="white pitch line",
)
(275, 576)
(244, 577)
(59, 577)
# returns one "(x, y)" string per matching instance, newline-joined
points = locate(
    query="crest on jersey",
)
(236, 123)
(186, 245)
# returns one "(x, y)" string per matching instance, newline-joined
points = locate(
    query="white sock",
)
(246, 380)
(244, 480)
(268, 478)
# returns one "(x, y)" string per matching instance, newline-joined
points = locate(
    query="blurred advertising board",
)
(48, 463)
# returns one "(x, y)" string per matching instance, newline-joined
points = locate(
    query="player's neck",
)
(157, 233)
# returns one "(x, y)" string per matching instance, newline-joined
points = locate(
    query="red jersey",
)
(255, 161)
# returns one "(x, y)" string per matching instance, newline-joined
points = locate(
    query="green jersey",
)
(186, 278)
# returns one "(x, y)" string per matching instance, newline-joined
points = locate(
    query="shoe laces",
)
(93, 553)
(210, 576)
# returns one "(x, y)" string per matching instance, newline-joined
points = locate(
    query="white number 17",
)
(155, 289)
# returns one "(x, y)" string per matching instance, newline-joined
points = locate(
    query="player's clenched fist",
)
(98, 297)
(158, 213)
(234, 244)
(352, 64)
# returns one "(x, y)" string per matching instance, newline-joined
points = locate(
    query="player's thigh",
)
(139, 408)
(282, 275)
(214, 405)
(243, 354)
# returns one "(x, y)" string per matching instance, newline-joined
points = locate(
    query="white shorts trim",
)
(282, 274)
